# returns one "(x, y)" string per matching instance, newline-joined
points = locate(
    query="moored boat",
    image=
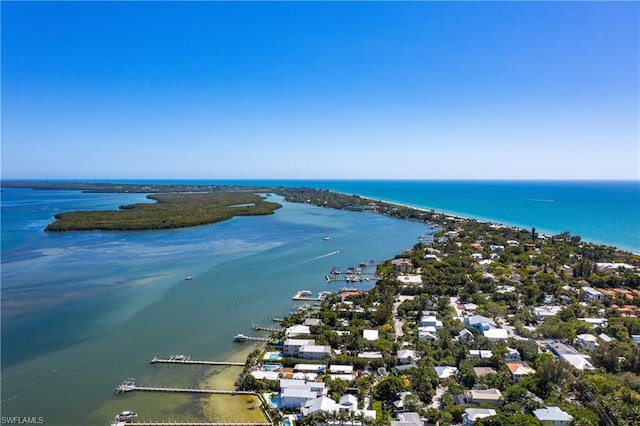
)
(125, 416)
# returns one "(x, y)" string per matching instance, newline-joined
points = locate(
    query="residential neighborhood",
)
(484, 325)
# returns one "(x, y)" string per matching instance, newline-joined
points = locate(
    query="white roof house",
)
(370, 355)
(496, 334)
(553, 415)
(480, 354)
(472, 414)
(292, 347)
(445, 372)
(294, 393)
(591, 294)
(296, 330)
(410, 279)
(314, 351)
(370, 335)
(479, 322)
(322, 403)
(587, 341)
(430, 321)
(407, 356)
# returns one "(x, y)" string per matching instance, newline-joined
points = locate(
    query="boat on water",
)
(127, 386)
(126, 416)
(179, 357)
(326, 238)
(188, 277)
(363, 264)
(240, 338)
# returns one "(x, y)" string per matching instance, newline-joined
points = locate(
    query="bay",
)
(83, 311)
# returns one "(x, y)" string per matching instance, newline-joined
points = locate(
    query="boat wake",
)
(325, 255)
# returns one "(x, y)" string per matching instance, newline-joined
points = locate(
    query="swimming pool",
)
(271, 367)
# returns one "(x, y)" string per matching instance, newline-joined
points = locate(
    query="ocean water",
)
(81, 311)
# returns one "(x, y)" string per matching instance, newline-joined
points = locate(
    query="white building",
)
(314, 352)
(592, 295)
(472, 414)
(370, 335)
(295, 393)
(553, 416)
(410, 279)
(496, 334)
(587, 341)
(431, 321)
(292, 346)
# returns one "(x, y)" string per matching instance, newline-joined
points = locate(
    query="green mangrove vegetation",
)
(170, 211)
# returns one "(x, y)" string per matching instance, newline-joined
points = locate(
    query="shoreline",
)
(462, 216)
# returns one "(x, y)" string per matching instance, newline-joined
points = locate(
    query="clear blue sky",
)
(434, 90)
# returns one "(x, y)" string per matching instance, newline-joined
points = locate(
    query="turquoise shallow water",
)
(83, 311)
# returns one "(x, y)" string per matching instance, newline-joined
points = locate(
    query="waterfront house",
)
(297, 330)
(519, 370)
(292, 347)
(402, 265)
(553, 416)
(472, 414)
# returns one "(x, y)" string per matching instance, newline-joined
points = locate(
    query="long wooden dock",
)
(157, 360)
(263, 328)
(243, 338)
(124, 388)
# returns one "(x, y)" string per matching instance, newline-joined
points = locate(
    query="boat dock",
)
(243, 338)
(157, 360)
(306, 295)
(124, 388)
(263, 328)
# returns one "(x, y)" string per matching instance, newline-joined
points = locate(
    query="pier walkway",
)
(157, 360)
(243, 338)
(127, 387)
(263, 328)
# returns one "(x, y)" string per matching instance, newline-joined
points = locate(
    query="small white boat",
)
(326, 238)
(240, 338)
(125, 416)
(188, 277)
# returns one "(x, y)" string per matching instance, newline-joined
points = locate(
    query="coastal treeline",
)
(170, 211)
